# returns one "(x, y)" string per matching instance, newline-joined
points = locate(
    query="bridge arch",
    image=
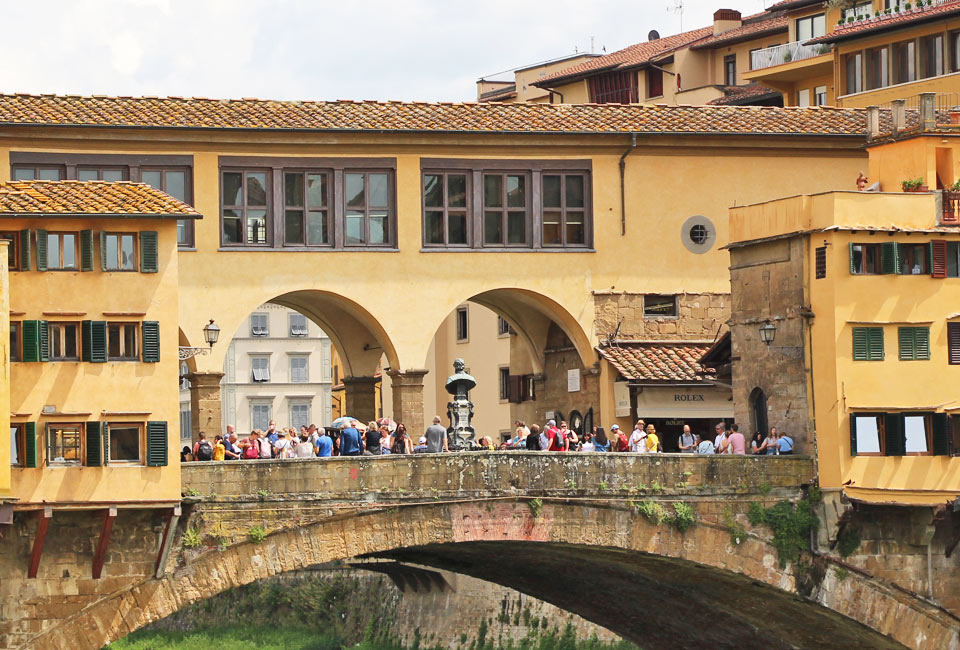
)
(603, 561)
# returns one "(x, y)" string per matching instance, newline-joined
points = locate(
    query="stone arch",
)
(576, 544)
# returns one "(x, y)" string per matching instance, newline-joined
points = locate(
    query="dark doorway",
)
(758, 412)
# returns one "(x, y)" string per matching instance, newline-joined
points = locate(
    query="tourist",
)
(231, 448)
(587, 443)
(687, 441)
(351, 444)
(556, 441)
(251, 446)
(771, 445)
(304, 447)
(785, 444)
(600, 440)
(186, 455)
(756, 443)
(638, 439)
(400, 442)
(264, 446)
(324, 444)
(271, 435)
(486, 444)
(736, 441)
(573, 442)
(284, 444)
(523, 431)
(705, 446)
(219, 450)
(533, 440)
(653, 440)
(421, 447)
(372, 439)
(721, 438)
(384, 439)
(436, 435)
(622, 442)
(203, 450)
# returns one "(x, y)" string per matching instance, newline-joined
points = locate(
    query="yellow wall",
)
(81, 387)
(574, 93)
(4, 371)
(916, 157)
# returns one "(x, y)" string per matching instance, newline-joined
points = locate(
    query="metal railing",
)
(780, 54)
(951, 208)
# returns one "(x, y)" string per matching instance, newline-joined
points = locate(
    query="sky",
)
(424, 50)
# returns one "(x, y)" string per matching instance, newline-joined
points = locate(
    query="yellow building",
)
(517, 85)
(93, 328)
(860, 290)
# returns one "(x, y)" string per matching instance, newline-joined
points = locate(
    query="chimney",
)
(726, 19)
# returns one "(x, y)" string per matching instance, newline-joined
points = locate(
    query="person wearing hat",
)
(421, 447)
(638, 439)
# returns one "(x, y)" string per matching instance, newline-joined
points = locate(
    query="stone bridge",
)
(599, 535)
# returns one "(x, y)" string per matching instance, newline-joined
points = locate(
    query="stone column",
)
(360, 398)
(205, 404)
(408, 400)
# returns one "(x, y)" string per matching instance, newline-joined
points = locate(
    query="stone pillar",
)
(205, 404)
(408, 400)
(360, 398)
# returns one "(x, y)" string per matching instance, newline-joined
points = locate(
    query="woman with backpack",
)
(400, 442)
(203, 450)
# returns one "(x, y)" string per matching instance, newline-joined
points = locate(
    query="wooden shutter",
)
(86, 250)
(93, 335)
(953, 343)
(105, 438)
(30, 444)
(853, 434)
(24, 250)
(889, 254)
(914, 343)
(875, 343)
(853, 268)
(941, 435)
(938, 257)
(860, 348)
(156, 444)
(906, 344)
(41, 250)
(148, 251)
(94, 455)
(30, 335)
(896, 443)
(103, 251)
(44, 338)
(151, 341)
(513, 392)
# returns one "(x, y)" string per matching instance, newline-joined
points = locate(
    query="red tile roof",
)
(349, 116)
(746, 31)
(890, 21)
(652, 361)
(738, 95)
(792, 4)
(89, 197)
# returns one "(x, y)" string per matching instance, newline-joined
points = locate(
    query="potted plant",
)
(787, 56)
(907, 7)
(914, 185)
(955, 187)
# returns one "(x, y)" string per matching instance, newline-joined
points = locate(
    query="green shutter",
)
(41, 250)
(93, 339)
(24, 250)
(921, 343)
(905, 337)
(30, 335)
(895, 438)
(853, 435)
(94, 457)
(941, 434)
(860, 349)
(875, 343)
(151, 341)
(44, 337)
(103, 250)
(914, 343)
(105, 436)
(890, 261)
(148, 251)
(850, 246)
(30, 444)
(86, 250)
(156, 444)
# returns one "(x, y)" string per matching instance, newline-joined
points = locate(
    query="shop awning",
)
(659, 362)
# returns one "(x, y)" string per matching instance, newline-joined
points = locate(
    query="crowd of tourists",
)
(384, 436)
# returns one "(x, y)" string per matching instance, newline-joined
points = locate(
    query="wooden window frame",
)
(953, 45)
(21, 442)
(13, 248)
(953, 422)
(857, 81)
(658, 316)
(81, 445)
(878, 270)
(881, 433)
(245, 207)
(879, 68)
(730, 70)
(909, 61)
(924, 59)
(142, 442)
(76, 250)
(189, 232)
(446, 208)
(503, 377)
(927, 431)
(812, 18)
(306, 368)
(124, 355)
(466, 324)
(503, 327)
(565, 210)
(253, 333)
(36, 169)
(819, 98)
(366, 209)
(654, 79)
(16, 341)
(306, 208)
(905, 258)
(135, 267)
(52, 326)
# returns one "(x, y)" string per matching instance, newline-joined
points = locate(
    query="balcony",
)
(780, 54)
(951, 208)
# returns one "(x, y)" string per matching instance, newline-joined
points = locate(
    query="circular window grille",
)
(699, 234)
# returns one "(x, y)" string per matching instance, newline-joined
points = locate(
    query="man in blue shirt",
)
(323, 444)
(785, 444)
(350, 441)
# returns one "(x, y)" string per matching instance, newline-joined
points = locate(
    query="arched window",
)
(758, 411)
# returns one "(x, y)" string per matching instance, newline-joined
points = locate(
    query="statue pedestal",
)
(461, 433)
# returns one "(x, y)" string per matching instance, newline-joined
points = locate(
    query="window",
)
(914, 343)
(462, 329)
(656, 306)
(504, 383)
(821, 262)
(955, 51)
(259, 325)
(367, 211)
(868, 434)
(16, 445)
(61, 250)
(654, 83)
(246, 198)
(64, 443)
(865, 259)
(445, 208)
(260, 415)
(820, 96)
(15, 341)
(905, 62)
(63, 342)
(122, 341)
(803, 98)
(119, 250)
(299, 370)
(878, 67)
(186, 423)
(36, 173)
(912, 258)
(730, 70)
(503, 327)
(854, 64)
(916, 431)
(931, 56)
(306, 209)
(298, 325)
(102, 174)
(699, 234)
(859, 10)
(613, 88)
(812, 26)
(953, 343)
(752, 54)
(261, 368)
(505, 209)
(173, 181)
(124, 443)
(299, 414)
(564, 210)
(13, 250)
(868, 344)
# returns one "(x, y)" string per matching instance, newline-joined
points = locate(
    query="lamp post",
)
(211, 332)
(768, 332)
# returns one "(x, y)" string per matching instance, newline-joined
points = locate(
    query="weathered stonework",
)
(205, 404)
(699, 317)
(361, 398)
(407, 390)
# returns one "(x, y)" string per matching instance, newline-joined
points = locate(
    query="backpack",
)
(558, 440)
(623, 444)
(266, 449)
(251, 452)
(204, 451)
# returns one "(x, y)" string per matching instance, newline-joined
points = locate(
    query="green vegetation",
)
(841, 573)
(653, 511)
(257, 534)
(229, 638)
(848, 541)
(791, 525)
(738, 532)
(191, 492)
(912, 184)
(192, 537)
(536, 507)
(683, 517)
(263, 494)
(603, 485)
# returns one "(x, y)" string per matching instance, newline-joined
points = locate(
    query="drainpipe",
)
(623, 169)
(554, 92)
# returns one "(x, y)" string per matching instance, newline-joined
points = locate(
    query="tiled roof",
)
(629, 57)
(739, 95)
(52, 110)
(889, 21)
(652, 361)
(792, 4)
(89, 197)
(746, 31)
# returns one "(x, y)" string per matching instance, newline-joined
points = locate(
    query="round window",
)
(698, 234)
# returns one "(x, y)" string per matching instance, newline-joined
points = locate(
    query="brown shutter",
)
(513, 395)
(938, 251)
(953, 343)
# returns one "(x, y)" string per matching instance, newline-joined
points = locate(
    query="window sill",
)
(186, 249)
(504, 249)
(308, 249)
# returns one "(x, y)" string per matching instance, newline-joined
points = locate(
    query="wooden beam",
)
(101, 555)
(38, 540)
(165, 542)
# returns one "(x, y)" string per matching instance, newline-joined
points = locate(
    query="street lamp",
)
(211, 332)
(768, 332)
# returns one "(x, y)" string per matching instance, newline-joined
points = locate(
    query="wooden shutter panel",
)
(148, 251)
(44, 338)
(30, 444)
(853, 435)
(41, 250)
(151, 341)
(921, 343)
(890, 261)
(938, 258)
(93, 335)
(852, 267)
(94, 456)
(941, 435)
(86, 250)
(860, 348)
(875, 343)
(905, 336)
(513, 392)
(30, 335)
(895, 439)
(953, 343)
(103, 251)
(25, 250)
(156, 444)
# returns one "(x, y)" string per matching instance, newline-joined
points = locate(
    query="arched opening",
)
(758, 411)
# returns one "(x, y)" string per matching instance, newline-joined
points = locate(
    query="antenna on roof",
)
(677, 8)
(591, 45)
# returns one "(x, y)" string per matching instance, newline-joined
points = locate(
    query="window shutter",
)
(156, 444)
(938, 258)
(921, 343)
(889, 257)
(86, 250)
(93, 336)
(151, 341)
(906, 341)
(30, 444)
(105, 437)
(148, 251)
(513, 389)
(953, 343)
(852, 267)
(94, 456)
(941, 435)
(894, 435)
(875, 343)
(41, 250)
(860, 343)
(103, 251)
(24, 250)
(853, 435)
(43, 335)
(30, 333)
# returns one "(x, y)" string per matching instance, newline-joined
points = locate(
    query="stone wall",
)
(699, 317)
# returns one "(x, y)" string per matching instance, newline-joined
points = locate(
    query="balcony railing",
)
(951, 208)
(780, 54)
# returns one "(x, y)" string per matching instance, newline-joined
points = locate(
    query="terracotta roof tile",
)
(792, 4)
(89, 197)
(746, 31)
(426, 117)
(889, 21)
(652, 361)
(737, 95)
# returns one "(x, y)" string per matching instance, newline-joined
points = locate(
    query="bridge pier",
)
(205, 405)
(408, 399)
(361, 398)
